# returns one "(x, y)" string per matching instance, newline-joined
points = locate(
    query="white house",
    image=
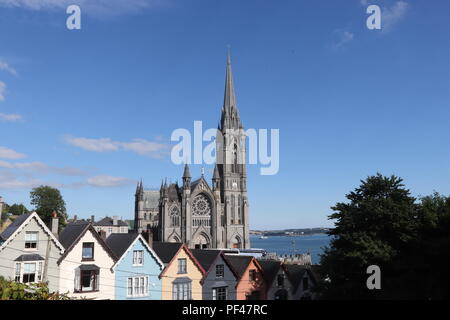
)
(86, 266)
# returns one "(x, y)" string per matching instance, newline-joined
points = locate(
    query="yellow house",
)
(182, 273)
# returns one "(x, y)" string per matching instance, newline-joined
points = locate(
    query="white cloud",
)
(6, 67)
(139, 146)
(391, 16)
(7, 153)
(105, 181)
(10, 117)
(342, 37)
(42, 168)
(93, 7)
(96, 145)
(2, 91)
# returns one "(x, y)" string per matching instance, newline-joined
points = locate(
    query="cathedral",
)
(197, 213)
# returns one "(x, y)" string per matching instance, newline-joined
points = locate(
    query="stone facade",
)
(196, 213)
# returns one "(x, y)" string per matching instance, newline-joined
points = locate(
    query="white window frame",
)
(19, 268)
(138, 257)
(27, 233)
(139, 286)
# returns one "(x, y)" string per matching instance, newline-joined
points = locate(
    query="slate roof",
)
(120, 242)
(14, 226)
(270, 269)
(166, 250)
(295, 273)
(71, 233)
(151, 199)
(109, 222)
(205, 257)
(239, 263)
(29, 257)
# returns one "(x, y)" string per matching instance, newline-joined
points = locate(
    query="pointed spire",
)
(216, 175)
(230, 113)
(229, 98)
(186, 173)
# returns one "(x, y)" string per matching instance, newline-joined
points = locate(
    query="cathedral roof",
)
(151, 199)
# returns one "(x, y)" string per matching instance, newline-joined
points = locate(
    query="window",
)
(280, 280)
(182, 291)
(17, 273)
(138, 257)
(31, 239)
(220, 293)
(182, 268)
(252, 275)
(110, 230)
(29, 272)
(88, 251)
(305, 283)
(138, 287)
(86, 280)
(219, 271)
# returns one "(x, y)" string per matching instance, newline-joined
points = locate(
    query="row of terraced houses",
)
(86, 262)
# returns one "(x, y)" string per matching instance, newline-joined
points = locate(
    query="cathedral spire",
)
(230, 115)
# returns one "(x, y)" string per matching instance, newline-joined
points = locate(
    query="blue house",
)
(137, 269)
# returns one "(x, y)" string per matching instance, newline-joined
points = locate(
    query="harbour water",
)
(313, 244)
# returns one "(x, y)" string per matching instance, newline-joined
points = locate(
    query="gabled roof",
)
(121, 243)
(270, 269)
(207, 258)
(198, 181)
(166, 250)
(189, 253)
(295, 274)
(109, 222)
(239, 263)
(72, 234)
(14, 226)
(19, 223)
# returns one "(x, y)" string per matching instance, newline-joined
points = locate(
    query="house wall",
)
(125, 269)
(246, 287)
(171, 274)
(16, 248)
(101, 259)
(211, 281)
(301, 292)
(112, 229)
(273, 287)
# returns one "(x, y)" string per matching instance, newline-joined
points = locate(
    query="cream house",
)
(85, 267)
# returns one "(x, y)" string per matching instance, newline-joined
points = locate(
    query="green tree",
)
(379, 222)
(46, 200)
(18, 209)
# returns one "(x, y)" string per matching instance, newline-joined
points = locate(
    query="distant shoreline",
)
(290, 232)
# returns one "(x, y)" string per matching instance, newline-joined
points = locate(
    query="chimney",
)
(102, 234)
(149, 238)
(115, 220)
(92, 219)
(55, 223)
(75, 218)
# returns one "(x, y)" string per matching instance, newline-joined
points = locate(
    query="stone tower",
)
(231, 169)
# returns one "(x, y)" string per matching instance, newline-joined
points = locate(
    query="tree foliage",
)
(10, 290)
(46, 200)
(382, 224)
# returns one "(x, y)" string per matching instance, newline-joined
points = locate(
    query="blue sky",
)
(91, 111)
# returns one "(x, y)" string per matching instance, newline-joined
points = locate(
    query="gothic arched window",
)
(233, 210)
(235, 156)
(240, 209)
(175, 216)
